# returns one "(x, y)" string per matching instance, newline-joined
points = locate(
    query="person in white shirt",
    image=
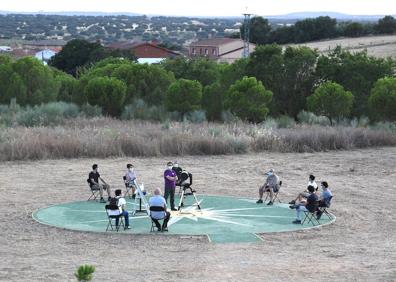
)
(130, 177)
(158, 201)
(303, 195)
(121, 203)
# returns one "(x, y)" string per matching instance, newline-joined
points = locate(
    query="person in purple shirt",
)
(170, 179)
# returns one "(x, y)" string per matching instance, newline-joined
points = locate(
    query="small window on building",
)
(213, 51)
(206, 52)
(193, 51)
(200, 51)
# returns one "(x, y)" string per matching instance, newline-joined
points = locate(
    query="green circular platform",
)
(222, 219)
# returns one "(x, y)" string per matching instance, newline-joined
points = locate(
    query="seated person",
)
(158, 201)
(130, 176)
(305, 194)
(121, 203)
(324, 199)
(308, 205)
(94, 178)
(271, 185)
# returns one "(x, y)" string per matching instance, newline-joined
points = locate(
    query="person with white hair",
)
(158, 201)
(271, 185)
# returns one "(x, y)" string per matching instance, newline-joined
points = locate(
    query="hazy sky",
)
(204, 7)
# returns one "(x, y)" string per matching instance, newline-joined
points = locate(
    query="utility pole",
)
(246, 35)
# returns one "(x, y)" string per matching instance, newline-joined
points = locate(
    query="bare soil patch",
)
(359, 246)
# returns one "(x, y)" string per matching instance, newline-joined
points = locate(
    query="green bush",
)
(140, 110)
(196, 116)
(311, 118)
(89, 111)
(85, 272)
(47, 114)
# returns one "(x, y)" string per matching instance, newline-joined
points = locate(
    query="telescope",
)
(185, 183)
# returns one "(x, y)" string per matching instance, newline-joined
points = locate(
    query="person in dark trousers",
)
(94, 178)
(121, 203)
(158, 201)
(170, 179)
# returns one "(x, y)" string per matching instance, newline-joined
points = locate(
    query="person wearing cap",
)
(94, 178)
(305, 194)
(271, 185)
(130, 177)
(170, 179)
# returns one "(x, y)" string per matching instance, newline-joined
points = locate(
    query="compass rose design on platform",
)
(222, 215)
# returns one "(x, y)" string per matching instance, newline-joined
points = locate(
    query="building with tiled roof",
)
(219, 49)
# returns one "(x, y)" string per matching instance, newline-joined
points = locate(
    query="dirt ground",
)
(359, 246)
(382, 46)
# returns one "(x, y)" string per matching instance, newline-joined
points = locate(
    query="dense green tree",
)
(331, 100)
(354, 29)
(356, 72)
(38, 79)
(259, 30)
(68, 89)
(184, 96)
(386, 25)
(382, 100)
(248, 99)
(143, 81)
(315, 29)
(108, 93)
(289, 74)
(78, 53)
(212, 101)
(201, 69)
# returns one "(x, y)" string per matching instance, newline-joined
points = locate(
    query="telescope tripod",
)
(183, 193)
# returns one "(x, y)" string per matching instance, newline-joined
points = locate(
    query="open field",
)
(359, 246)
(378, 46)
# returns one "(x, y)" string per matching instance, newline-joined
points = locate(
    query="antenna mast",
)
(246, 34)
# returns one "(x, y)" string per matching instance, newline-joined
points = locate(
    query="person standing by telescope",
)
(170, 179)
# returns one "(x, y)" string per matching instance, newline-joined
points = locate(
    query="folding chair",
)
(128, 189)
(94, 191)
(267, 196)
(113, 213)
(310, 215)
(156, 209)
(323, 209)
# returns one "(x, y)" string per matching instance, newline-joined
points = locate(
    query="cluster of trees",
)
(78, 53)
(262, 32)
(272, 81)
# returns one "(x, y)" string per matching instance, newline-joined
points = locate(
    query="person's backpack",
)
(113, 202)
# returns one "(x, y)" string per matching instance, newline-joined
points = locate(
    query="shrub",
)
(140, 110)
(47, 114)
(311, 118)
(196, 116)
(89, 111)
(85, 272)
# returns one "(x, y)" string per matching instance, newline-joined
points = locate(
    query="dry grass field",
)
(359, 246)
(378, 46)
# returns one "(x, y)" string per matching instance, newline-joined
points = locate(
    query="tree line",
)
(311, 29)
(272, 81)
